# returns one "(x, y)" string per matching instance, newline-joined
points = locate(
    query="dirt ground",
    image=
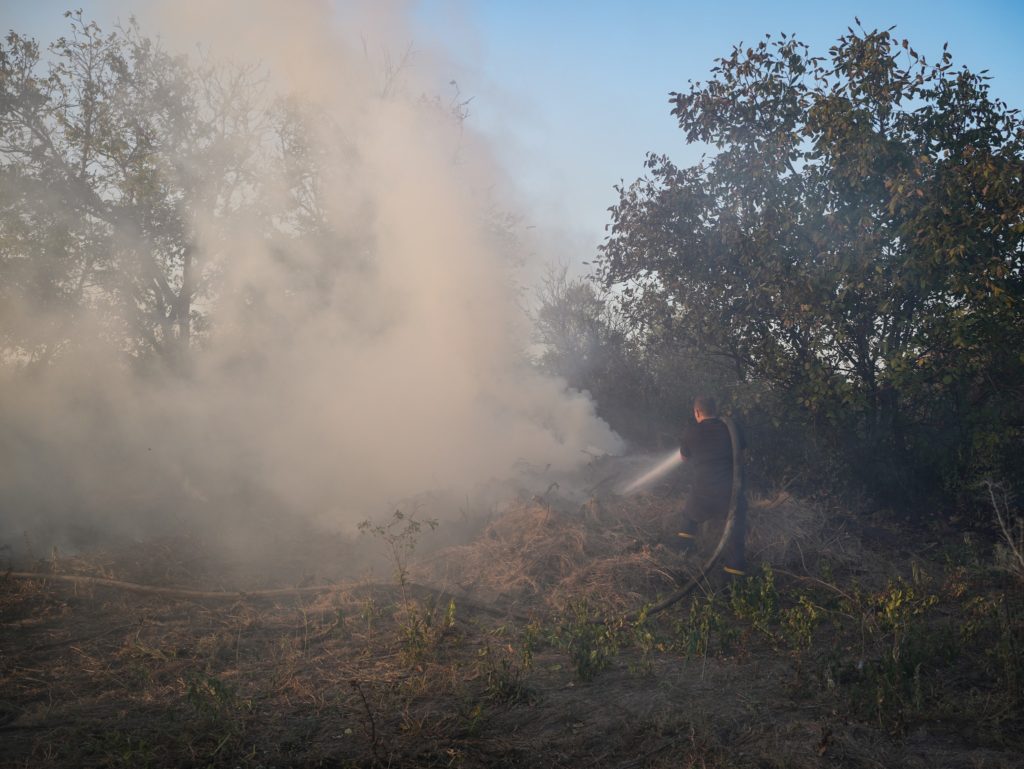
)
(846, 647)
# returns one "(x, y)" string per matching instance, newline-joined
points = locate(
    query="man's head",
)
(704, 407)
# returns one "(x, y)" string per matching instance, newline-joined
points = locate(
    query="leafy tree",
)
(114, 152)
(109, 150)
(852, 249)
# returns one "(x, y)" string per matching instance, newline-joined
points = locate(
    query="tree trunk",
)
(183, 307)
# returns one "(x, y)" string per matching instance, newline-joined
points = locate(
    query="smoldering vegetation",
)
(848, 645)
(269, 283)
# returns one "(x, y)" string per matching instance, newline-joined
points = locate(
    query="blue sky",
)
(580, 89)
(574, 93)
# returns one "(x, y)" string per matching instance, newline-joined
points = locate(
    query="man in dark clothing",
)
(707, 447)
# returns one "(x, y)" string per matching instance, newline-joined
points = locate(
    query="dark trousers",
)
(702, 518)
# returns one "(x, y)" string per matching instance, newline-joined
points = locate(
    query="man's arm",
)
(685, 447)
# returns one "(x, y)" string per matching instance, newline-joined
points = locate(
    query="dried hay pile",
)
(611, 552)
(548, 554)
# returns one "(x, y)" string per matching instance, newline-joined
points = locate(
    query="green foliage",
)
(901, 649)
(369, 612)
(474, 718)
(643, 387)
(504, 672)
(996, 626)
(756, 600)
(118, 749)
(583, 340)
(400, 535)
(591, 643)
(693, 635)
(1009, 651)
(641, 637)
(800, 621)
(852, 249)
(421, 627)
(218, 724)
(114, 154)
(111, 147)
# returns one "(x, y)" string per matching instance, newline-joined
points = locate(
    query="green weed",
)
(420, 628)
(400, 535)
(756, 600)
(899, 650)
(591, 644)
(692, 636)
(642, 638)
(504, 673)
(799, 622)
(423, 628)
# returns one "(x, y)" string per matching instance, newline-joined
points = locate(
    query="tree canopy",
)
(851, 247)
(113, 154)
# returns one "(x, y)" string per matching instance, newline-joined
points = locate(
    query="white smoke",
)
(332, 381)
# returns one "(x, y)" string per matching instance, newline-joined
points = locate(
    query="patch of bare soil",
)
(511, 650)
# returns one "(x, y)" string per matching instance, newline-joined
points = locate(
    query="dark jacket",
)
(707, 447)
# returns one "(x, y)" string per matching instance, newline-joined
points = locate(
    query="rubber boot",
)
(685, 540)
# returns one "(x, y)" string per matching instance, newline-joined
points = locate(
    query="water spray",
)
(657, 471)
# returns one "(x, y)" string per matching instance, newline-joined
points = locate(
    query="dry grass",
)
(361, 676)
(610, 552)
(542, 556)
(790, 533)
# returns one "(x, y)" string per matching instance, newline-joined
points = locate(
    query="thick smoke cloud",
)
(335, 378)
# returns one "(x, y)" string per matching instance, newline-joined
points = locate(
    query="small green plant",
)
(978, 612)
(1009, 650)
(898, 651)
(369, 612)
(965, 555)
(642, 637)
(590, 643)
(423, 628)
(693, 634)
(219, 725)
(996, 627)
(898, 610)
(756, 600)
(475, 717)
(400, 535)
(340, 626)
(420, 628)
(532, 635)
(798, 623)
(504, 674)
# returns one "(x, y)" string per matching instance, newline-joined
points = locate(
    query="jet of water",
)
(657, 471)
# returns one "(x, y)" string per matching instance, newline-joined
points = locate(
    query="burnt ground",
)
(844, 648)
